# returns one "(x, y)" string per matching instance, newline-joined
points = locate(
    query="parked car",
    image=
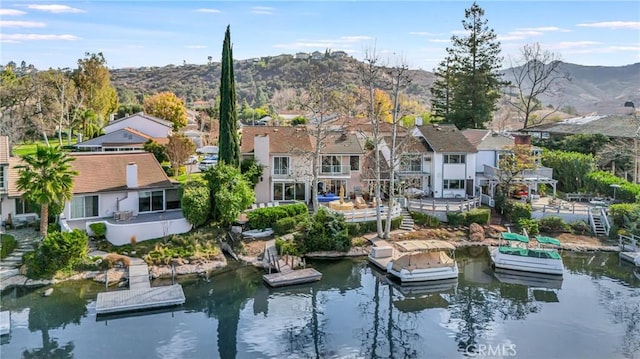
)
(192, 160)
(206, 163)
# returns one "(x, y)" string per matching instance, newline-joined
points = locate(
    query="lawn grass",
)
(27, 148)
(191, 176)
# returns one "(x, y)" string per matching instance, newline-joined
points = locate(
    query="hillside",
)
(592, 88)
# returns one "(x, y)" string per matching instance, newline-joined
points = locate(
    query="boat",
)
(520, 257)
(423, 260)
(258, 233)
(531, 280)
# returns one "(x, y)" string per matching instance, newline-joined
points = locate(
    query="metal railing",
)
(335, 169)
(628, 243)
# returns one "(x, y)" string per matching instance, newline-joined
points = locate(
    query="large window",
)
(331, 164)
(411, 163)
(84, 207)
(151, 201)
(288, 191)
(453, 184)
(454, 158)
(171, 199)
(2, 177)
(354, 161)
(281, 166)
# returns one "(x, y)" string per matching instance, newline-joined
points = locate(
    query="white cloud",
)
(343, 42)
(196, 46)
(35, 37)
(11, 12)
(262, 10)
(355, 38)
(211, 11)
(440, 41)
(573, 44)
(422, 33)
(56, 9)
(544, 29)
(633, 25)
(9, 23)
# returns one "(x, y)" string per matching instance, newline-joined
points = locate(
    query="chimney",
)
(132, 175)
(522, 139)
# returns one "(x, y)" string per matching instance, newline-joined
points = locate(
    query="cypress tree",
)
(229, 145)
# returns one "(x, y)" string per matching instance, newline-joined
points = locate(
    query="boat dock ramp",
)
(140, 295)
(285, 274)
(629, 249)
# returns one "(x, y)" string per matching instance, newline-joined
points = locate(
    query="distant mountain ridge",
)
(602, 89)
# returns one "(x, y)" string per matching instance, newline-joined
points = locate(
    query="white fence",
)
(440, 208)
(367, 215)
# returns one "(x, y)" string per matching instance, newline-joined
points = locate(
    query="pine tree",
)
(473, 66)
(229, 141)
(441, 89)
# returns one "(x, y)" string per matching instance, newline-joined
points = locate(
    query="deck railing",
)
(434, 205)
(628, 243)
(368, 214)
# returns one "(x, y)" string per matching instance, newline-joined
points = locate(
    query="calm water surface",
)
(594, 312)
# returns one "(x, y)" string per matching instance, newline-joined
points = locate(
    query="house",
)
(339, 54)
(126, 134)
(286, 154)
(13, 208)
(413, 169)
(302, 55)
(341, 156)
(451, 172)
(129, 192)
(317, 55)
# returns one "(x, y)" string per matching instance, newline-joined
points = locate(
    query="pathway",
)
(10, 266)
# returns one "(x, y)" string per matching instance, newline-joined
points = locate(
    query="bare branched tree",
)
(538, 72)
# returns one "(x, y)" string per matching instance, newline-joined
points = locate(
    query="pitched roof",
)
(122, 137)
(624, 126)
(446, 138)
(4, 149)
(409, 144)
(362, 124)
(486, 140)
(282, 139)
(341, 143)
(12, 185)
(143, 115)
(103, 172)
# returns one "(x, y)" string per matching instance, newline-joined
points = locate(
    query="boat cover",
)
(426, 245)
(514, 237)
(547, 240)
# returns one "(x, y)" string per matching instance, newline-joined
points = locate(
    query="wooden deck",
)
(140, 295)
(381, 262)
(292, 277)
(5, 323)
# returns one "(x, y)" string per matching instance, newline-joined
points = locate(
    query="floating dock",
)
(633, 257)
(5, 322)
(292, 277)
(629, 248)
(140, 295)
(382, 253)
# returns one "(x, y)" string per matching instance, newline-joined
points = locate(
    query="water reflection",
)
(355, 310)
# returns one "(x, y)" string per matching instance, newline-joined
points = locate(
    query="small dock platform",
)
(382, 253)
(629, 249)
(633, 257)
(140, 295)
(5, 322)
(292, 277)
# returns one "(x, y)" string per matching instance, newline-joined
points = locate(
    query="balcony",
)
(335, 170)
(281, 174)
(534, 174)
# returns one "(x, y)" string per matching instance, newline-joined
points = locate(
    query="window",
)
(331, 164)
(171, 199)
(84, 207)
(24, 207)
(411, 163)
(151, 201)
(2, 177)
(281, 166)
(454, 159)
(288, 191)
(453, 184)
(355, 163)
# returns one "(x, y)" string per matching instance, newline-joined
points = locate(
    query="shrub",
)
(53, 227)
(289, 224)
(532, 226)
(360, 228)
(8, 245)
(554, 224)
(326, 231)
(262, 218)
(455, 218)
(618, 212)
(516, 210)
(477, 215)
(580, 227)
(99, 229)
(423, 219)
(195, 202)
(286, 247)
(57, 251)
(601, 181)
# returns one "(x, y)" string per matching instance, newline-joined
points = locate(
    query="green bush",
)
(554, 224)
(580, 227)
(423, 219)
(618, 212)
(286, 247)
(195, 202)
(477, 215)
(360, 228)
(455, 218)
(57, 251)
(262, 218)
(516, 210)
(532, 226)
(53, 227)
(601, 181)
(99, 229)
(8, 244)
(326, 231)
(289, 224)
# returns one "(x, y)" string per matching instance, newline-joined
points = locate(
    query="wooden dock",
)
(382, 253)
(140, 295)
(286, 275)
(5, 322)
(629, 249)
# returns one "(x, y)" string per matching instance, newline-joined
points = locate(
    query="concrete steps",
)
(407, 222)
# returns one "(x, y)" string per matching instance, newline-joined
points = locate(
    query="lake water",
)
(353, 312)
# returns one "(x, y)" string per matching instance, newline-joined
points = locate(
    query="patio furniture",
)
(361, 203)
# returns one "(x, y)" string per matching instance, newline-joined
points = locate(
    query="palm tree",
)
(46, 178)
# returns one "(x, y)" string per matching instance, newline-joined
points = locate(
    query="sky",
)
(134, 33)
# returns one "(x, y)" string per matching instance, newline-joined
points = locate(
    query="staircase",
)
(407, 221)
(599, 222)
(10, 265)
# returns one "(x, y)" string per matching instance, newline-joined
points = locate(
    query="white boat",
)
(423, 260)
(258, 233)
(522, 258)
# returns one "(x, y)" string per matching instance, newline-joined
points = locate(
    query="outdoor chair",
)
(360, 203)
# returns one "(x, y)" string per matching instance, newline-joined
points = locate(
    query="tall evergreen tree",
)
(441, 89)
(473, 64)
(229, 140)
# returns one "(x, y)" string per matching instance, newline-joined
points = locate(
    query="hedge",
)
(423, 219)
(9, 244)
(476, 215)
(515, 210)
(289, 224)
(361, 228)
(554, 224)
(601, 181)
(262, 218)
